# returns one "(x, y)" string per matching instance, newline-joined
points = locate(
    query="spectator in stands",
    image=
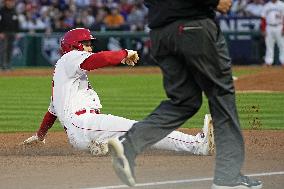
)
(88, 18)
(254, 8)
(44, 2)
(60, 15)
(45, 18)
(61, 5)
(9, 25)
(82, 3)
(114, 20)
(125, 7)
(79, 22)
(20, 8)
(142, 7)
(99, 24)
(135, 19)
(59, 25)
(111, 3)
(68, 19)
(31, 23)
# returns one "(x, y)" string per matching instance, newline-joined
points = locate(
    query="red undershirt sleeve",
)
(46, 124)
(103, 59)
(263, 24)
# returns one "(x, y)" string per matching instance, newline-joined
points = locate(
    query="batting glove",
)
(131, 59)
(33, 140)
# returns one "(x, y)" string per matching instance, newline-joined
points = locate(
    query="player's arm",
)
(263, 22)
(45, 125)
(223, 6)
(109, 58)
(47, 122)
(263, 25)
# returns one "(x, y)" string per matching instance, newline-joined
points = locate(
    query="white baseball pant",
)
(274, 35)
(82, 129)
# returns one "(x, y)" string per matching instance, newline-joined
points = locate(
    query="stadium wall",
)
(245, 42)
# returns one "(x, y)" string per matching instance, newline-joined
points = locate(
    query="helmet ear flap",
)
(80, 47)
(97, 45)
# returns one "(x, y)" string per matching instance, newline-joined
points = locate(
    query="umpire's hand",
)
(224, 6)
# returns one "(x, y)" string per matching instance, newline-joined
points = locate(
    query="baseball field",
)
(133, 93)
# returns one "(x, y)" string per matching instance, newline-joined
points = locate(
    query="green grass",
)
(24, 101)
(245, 72)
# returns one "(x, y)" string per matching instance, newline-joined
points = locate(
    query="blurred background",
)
(37, 25)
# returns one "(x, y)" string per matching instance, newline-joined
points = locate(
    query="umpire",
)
(9, 25)
(191, 51)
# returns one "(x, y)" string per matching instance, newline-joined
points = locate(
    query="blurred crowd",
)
(47, 16)
(99, 15)
(61, 15)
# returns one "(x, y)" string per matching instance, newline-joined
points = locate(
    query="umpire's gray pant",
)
(193, 57)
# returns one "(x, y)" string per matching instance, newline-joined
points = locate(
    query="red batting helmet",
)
(73, 38)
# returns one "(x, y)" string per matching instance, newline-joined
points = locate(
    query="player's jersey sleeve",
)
(263, 12)
(51, 108)
(72, 62)
(282, 10)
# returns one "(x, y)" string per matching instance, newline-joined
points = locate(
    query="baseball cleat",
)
(207, 145)
(243, 182)
(121, 164)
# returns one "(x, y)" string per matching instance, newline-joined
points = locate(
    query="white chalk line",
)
(182, 181)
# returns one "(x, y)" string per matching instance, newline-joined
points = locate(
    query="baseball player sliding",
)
(77, 105)
(272, 27)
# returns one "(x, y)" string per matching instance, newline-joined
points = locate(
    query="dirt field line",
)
(183, 181)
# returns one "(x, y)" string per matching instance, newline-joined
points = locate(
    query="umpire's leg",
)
(211, 68)
(230, 154)
(185, 98)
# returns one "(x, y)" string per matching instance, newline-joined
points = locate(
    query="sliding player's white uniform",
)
(77, 106)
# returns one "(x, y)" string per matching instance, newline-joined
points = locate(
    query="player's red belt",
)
(92, 111)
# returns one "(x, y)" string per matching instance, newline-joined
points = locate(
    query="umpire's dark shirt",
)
(163, 12)
(8, 20)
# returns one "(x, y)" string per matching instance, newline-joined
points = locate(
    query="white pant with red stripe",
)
(274, 35)
(84, 128)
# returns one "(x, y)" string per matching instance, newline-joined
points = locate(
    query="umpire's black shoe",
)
(122, 164)
(243, 182)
